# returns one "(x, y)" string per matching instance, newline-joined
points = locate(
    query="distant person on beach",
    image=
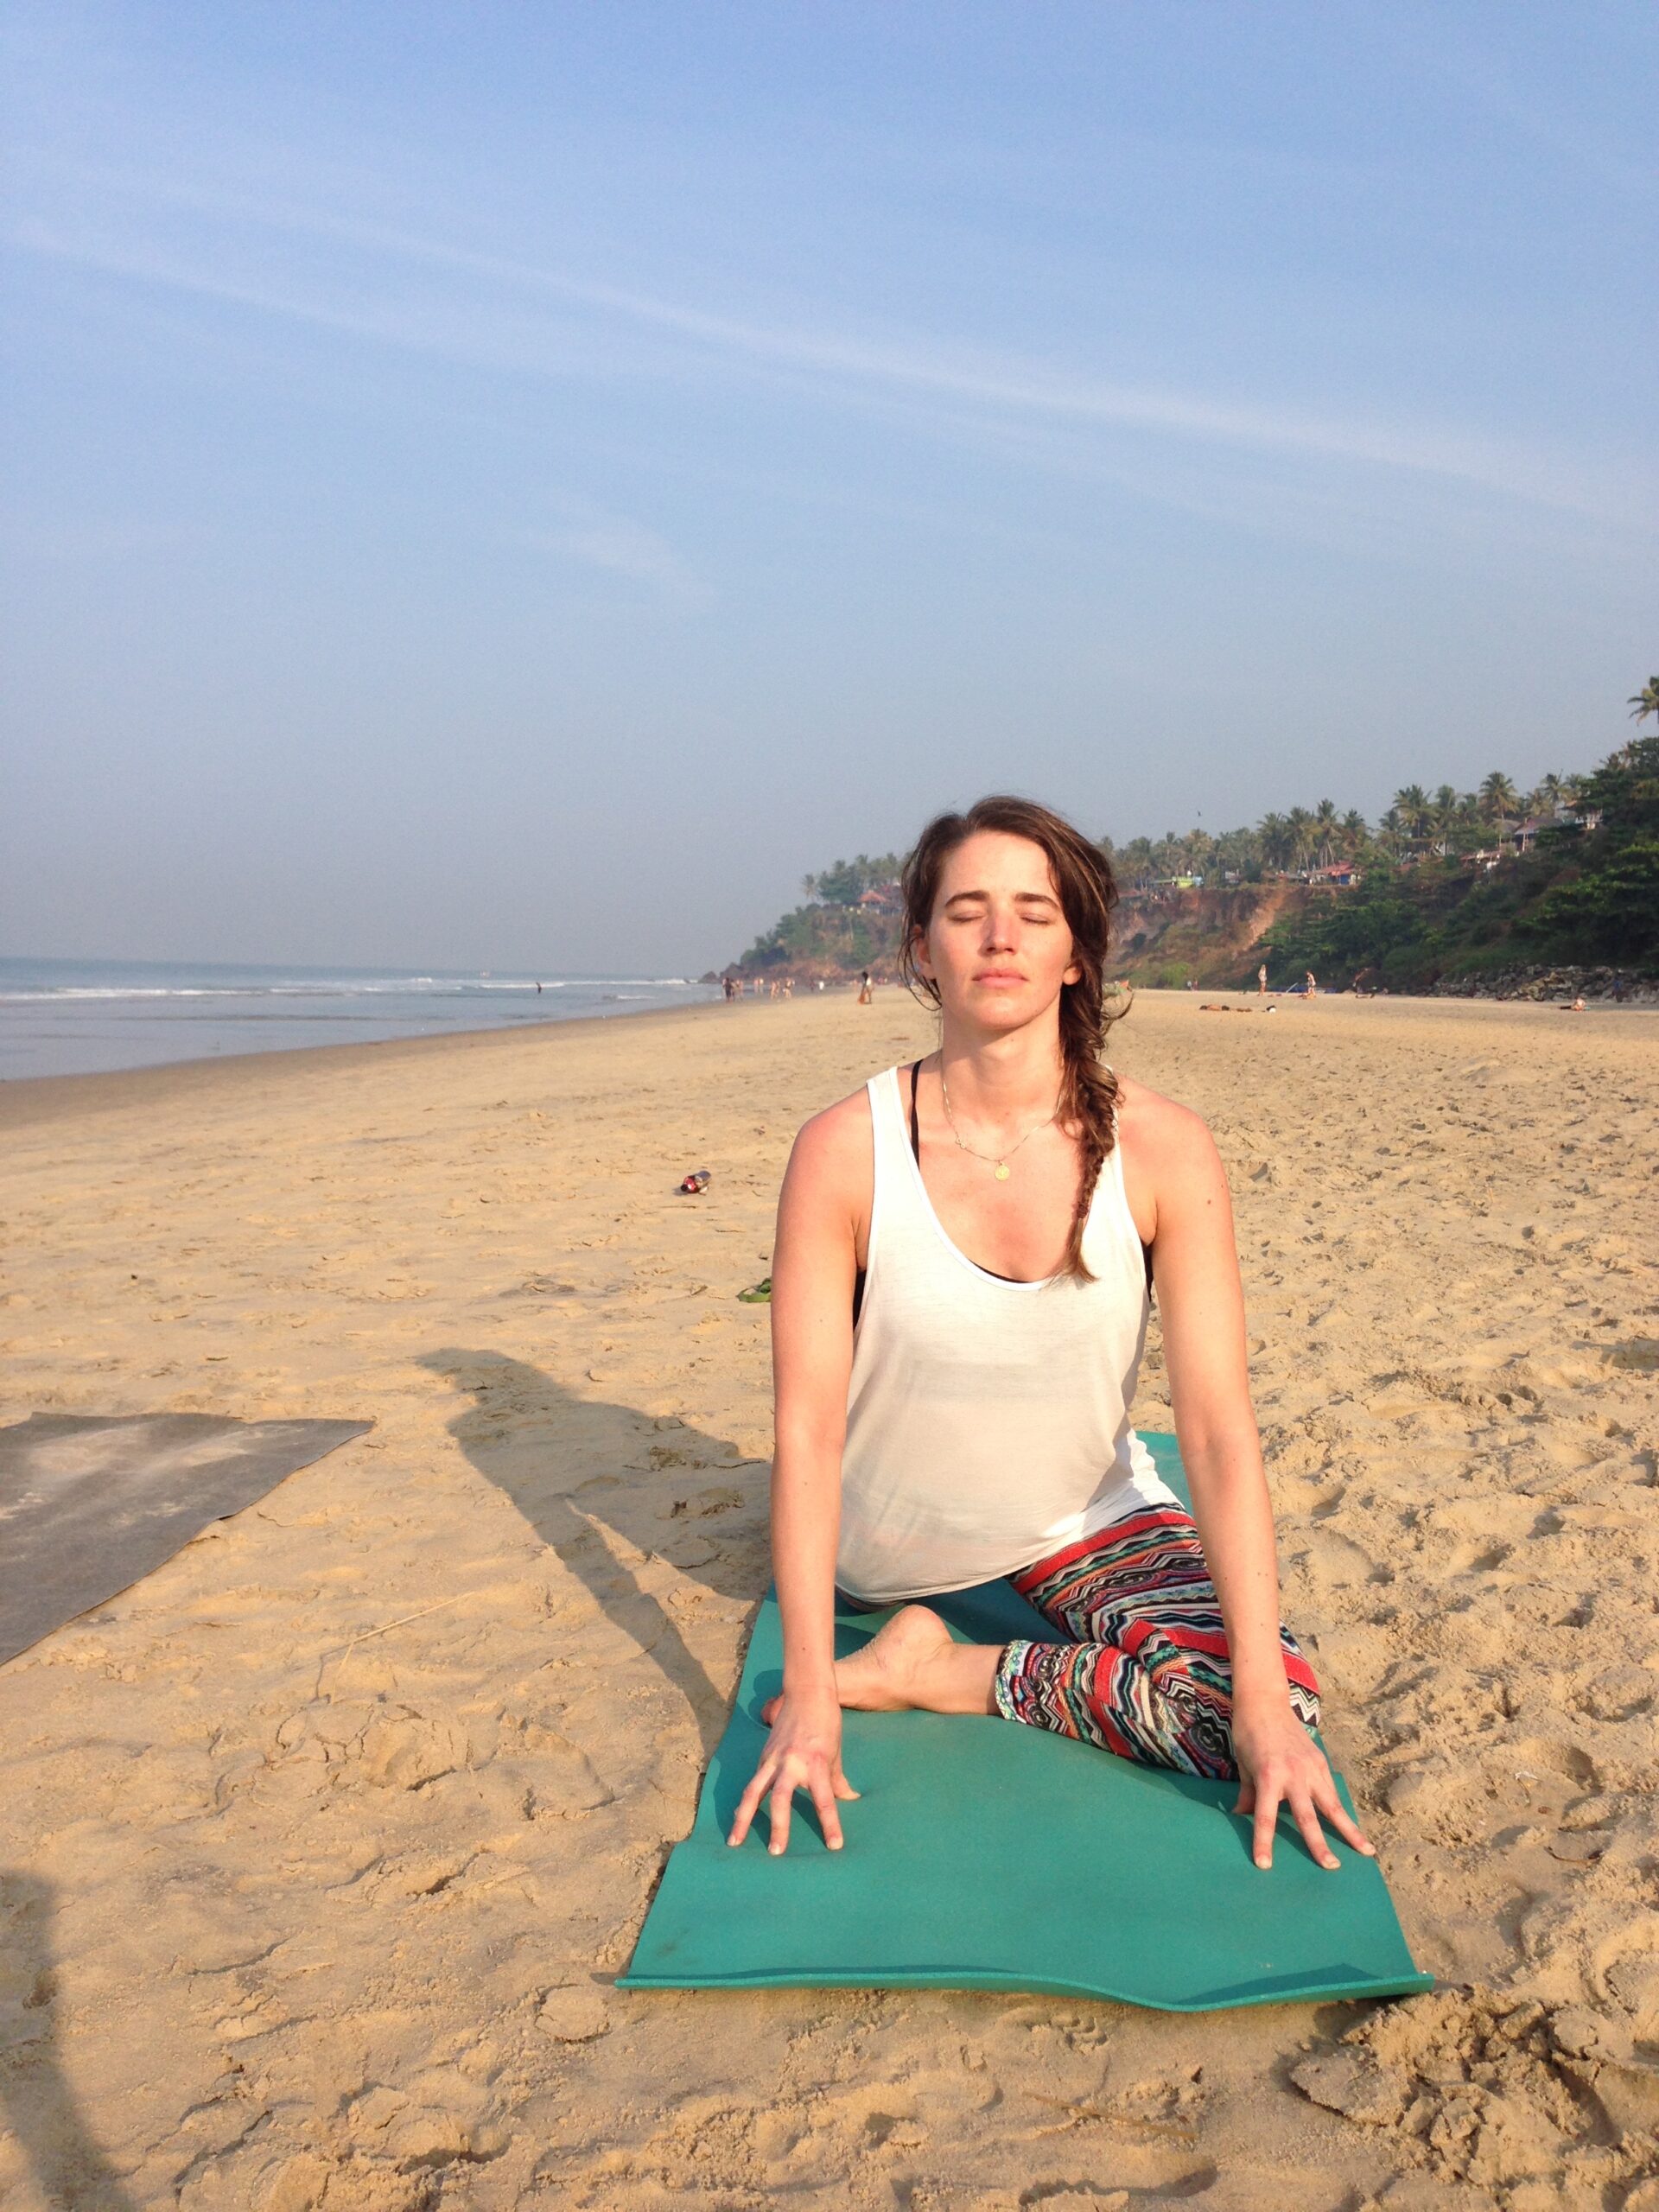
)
(939, 1424)
(865, 994)
(1261, 979)
(1312, 986)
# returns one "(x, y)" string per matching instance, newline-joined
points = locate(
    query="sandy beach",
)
(320, 1847)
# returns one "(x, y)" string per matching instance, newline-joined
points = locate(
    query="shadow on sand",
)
(36, 2101)
(583, 1472)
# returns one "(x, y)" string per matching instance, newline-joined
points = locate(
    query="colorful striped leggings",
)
(1146, 1673)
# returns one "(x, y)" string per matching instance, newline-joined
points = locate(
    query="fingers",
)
(823, 1796)
(778, 1809)
(1270, 1794)
(748, 1803)
(1266, 1813)
(1309, 1802)
(1308, 1820)
(1331, 1806)
(778, 1780)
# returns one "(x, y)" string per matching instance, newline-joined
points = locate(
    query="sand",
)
(318, 1849)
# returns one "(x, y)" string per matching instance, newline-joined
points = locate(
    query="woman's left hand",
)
(1279, 1763)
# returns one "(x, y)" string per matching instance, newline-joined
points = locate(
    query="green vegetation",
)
(844, 881)
(1417, 824)
(832, 934)
(825, 940)
(1608, 907)
(1579, 895)
(1447, 885)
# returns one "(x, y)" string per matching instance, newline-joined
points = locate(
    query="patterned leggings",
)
(1146, 1673)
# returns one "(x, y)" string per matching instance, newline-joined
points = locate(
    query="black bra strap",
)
(915, 1125)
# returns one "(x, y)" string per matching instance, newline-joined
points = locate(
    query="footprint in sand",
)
(1627, 1964)
(564, 1783)
(1329, 1562)
(1618, 1693)
(404, 1748)
(575, 2012)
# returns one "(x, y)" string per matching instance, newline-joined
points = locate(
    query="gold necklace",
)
(998, 1165)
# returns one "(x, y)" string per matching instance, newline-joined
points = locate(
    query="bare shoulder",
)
(1173, 1174)
(1164, 1137)
(832, 1150)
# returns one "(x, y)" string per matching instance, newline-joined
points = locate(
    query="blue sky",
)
(519, 485)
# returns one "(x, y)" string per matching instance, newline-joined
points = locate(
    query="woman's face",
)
(998, 945)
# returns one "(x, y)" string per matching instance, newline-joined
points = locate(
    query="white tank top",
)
(987, 1422)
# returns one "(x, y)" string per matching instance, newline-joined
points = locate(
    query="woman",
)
(961, 1277)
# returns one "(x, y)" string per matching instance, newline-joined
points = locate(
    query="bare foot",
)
(888, 1675)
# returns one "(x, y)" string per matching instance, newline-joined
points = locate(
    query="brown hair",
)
(1084, 878)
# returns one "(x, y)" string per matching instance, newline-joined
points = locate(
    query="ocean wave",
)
(78, 1017)
(418, 987)
(114, 991)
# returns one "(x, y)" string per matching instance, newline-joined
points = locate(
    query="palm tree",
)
(1325, 823)
(1299, 826)
(1354, 832)
(1274, 832)
(1411, 805)
(1134, 861)
(1646, 701)
(1498, 796)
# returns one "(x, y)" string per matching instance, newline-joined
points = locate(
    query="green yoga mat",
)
(986, 1855)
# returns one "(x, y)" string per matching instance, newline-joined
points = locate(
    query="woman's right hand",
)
(802, 1753)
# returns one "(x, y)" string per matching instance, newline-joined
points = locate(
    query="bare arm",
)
(1201, 1299)
(813, 1267)
(814, 1263)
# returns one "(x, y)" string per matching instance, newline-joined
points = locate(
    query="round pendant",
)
(1001, 1171)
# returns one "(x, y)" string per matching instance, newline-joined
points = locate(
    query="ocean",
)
(81, 1017)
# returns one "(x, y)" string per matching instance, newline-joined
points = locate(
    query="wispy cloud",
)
(374, 300)
(1429, 41)
(618, 546)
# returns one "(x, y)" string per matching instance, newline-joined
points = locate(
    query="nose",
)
(1001, 928)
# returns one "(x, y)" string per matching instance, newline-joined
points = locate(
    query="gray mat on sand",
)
(89, 1506)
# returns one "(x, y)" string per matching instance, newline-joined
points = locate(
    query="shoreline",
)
(50, 1094)
(27, 1100)
(99, 1017)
